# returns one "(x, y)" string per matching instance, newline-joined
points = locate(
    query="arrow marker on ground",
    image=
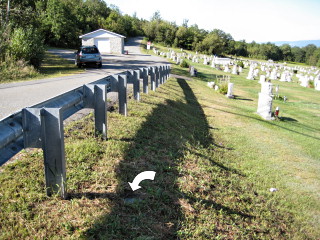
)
(140, 177)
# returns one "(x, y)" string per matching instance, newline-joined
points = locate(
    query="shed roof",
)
(94, 33)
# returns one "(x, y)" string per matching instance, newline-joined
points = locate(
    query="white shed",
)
(106, 41)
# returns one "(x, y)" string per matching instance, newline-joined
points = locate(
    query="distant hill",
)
(298, 43)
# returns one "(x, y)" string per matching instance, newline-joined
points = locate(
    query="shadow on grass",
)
(236, 97)
(154, 212)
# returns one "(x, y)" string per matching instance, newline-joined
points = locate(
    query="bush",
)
(223, 88)
(10, 69)
(27, 44)
(184, 64)
(311, 84)
(240, 64)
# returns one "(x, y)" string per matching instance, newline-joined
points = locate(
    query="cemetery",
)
(269, 111)
(234, 143)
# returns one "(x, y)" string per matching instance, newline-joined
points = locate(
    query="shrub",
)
(27, 44)
(10, 69)
(223, 88)
(240, 64)
(184, 64)
(311, 84)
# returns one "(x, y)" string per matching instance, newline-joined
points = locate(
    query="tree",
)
(184, 38)
(62, 21)
(216, 42)
(286, 52)
(240, 48)
(299, 54)
(310, 49)
(27, 44)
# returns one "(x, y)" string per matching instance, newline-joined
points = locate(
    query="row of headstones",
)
(285, 76)
(272, 70)
(265, 66)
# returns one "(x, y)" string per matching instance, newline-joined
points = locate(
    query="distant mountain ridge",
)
(301, 43)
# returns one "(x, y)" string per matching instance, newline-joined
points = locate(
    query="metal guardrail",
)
(41, 126)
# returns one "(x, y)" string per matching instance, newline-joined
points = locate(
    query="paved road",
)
(15, 96)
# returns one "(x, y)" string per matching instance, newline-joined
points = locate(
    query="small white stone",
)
(273, 189)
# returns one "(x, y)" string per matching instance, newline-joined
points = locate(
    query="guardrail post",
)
(161, 69)
(100, 110)
(52, 138)
(95, 97)
(136, 85)
(157, 76)
(122, 90)
(119, 84)
(152, 78)
(167, 72)
(145, 73)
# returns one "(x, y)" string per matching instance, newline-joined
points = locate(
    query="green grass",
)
(214, 158)
(55, 66)
(52, 66)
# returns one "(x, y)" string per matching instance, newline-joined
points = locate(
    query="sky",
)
(250, 20)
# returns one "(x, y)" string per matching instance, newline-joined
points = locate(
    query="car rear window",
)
(90, 50)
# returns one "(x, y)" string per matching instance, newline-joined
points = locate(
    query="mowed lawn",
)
(215, 160)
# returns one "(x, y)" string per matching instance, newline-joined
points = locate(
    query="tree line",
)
(32, 24)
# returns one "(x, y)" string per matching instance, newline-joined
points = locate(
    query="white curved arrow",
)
(140, 177)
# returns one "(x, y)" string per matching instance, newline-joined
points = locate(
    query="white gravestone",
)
(211, 84)
(265, 101)
(230, 90)
(262, 79)
(273, 75)
(234, 70)
(250, 75)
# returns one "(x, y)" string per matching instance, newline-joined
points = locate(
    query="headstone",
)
(226, 69)
(283, 77)
(234, 70)
(265, 101)
(273, 75)
(250, 74)
(304, 81)
(192, 71)
(230, 90)
(262, 79)
(211, 84)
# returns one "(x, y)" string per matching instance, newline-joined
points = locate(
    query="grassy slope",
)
(215, 161)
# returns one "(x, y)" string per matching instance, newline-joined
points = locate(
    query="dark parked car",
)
(88, 55)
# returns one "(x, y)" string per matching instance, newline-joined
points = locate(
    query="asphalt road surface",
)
(15, 96)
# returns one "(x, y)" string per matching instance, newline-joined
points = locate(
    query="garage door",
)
(103, 45)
